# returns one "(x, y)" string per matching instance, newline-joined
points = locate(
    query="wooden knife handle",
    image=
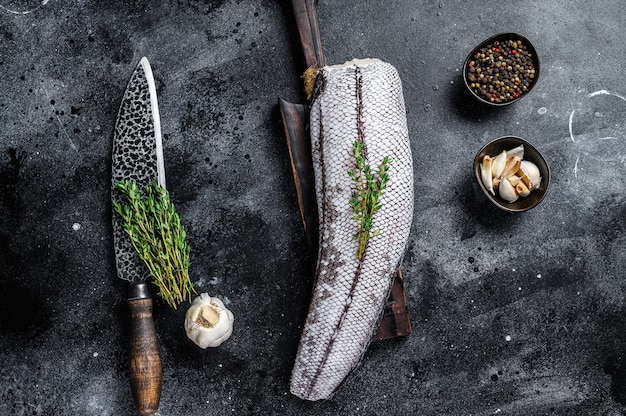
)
(144, 361)
(306, 19)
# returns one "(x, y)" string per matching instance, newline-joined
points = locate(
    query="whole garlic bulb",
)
(207, 322)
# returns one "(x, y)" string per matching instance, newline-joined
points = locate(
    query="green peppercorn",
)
(502, 71)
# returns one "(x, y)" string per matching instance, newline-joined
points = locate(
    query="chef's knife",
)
(138, 157)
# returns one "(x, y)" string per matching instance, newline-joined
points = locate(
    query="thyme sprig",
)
(368, 187)
(159, 237)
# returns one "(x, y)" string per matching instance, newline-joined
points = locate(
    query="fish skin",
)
(361, 100)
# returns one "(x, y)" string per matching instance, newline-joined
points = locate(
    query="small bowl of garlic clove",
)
(512, 173)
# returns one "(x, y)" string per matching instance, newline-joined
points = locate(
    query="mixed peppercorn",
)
(502, 71)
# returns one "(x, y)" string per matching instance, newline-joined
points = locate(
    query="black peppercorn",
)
(502, 71)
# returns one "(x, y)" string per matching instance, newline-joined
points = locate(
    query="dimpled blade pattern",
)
(357, 102)
(134, 158)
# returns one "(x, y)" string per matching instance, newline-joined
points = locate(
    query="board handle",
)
(144, 362)
(306, 19)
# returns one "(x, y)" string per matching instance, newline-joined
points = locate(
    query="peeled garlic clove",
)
(507, 191)
(486, 173)
(531, 171)
(522, 189)
(514, 179)
(512, 166)
(518, 151)
(523, 177)
(498, 164)
(207, 322)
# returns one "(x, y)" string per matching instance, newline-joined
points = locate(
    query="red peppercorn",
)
(503, 75)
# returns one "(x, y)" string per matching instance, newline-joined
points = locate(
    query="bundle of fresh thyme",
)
(159, 237)
(368, 187)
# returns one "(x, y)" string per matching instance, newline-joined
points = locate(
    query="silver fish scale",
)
(364, 102)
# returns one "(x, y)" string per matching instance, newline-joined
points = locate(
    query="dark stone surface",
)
(513, 314)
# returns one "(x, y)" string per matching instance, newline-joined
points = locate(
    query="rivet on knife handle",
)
(144, 360)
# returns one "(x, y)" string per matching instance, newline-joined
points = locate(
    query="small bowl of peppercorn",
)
(502, 69)
(512, 173)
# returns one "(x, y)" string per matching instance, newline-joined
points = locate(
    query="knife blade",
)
(137, 156)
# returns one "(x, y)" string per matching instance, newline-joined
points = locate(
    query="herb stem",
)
(368, 187)
(159, 238)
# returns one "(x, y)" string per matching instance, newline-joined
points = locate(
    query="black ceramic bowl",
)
(493, 149)
(505, 51)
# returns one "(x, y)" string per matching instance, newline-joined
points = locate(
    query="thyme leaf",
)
(368, 187)
(159, 238)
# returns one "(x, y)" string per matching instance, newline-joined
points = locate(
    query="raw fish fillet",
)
(360, 100)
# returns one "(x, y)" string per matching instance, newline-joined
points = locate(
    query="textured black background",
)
(513, 314)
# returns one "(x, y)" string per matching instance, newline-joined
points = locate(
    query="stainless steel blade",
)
(137, 156)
